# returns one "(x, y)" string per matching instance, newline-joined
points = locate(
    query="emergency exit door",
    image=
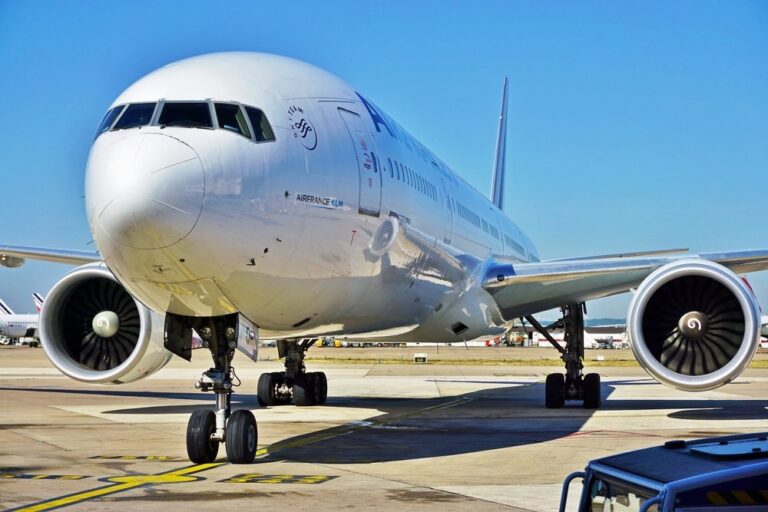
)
(367, 163)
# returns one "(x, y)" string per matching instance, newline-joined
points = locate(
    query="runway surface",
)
(413, 437)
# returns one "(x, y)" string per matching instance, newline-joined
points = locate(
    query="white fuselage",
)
(19, 326)
(344, 224)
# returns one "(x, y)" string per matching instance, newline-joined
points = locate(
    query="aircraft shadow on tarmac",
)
(414, 428)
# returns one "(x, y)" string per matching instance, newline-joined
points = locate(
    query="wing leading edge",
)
(14, 256)
(527, 288)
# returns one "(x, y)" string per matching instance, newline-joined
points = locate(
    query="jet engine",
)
(94, 331)
(693, 325)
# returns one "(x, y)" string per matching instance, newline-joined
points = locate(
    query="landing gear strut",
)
(295, 383)
(207, 429)
(573, 385)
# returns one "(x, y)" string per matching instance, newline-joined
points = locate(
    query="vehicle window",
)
(232, 118)
(391, 170)
(138, 114)
(189, 115)
(109, 118)
(612, 496)
(261, 128)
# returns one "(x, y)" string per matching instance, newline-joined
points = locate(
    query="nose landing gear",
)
(294, 384)
(207, 429)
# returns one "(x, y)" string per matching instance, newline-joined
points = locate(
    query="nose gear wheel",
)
(207, 429)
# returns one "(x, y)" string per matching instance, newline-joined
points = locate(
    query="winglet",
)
(497, 185)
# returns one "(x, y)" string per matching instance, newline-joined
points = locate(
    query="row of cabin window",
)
(405, 174)
(511, 243)
(470, 216)
(481, 223)
(229, 116)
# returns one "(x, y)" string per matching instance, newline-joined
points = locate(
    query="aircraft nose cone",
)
(146, 190)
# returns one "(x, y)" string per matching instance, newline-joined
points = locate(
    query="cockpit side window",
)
(231, 117)
(109, 118)
(138, 114)
(188, 115)
(261, 128)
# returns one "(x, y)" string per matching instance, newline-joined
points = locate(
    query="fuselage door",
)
(367, 163)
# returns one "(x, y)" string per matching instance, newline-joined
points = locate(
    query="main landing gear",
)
(206, 428)
(295, 383)
(573, 385)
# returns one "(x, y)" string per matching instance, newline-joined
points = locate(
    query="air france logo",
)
(302, 127)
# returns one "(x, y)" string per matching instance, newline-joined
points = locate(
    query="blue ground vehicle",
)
(720, 474)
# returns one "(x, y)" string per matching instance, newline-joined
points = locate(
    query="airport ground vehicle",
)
(720, 473)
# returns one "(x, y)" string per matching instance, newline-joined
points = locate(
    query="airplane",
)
(16, 326)
(38, 300)
(764, 326)
(244, 195)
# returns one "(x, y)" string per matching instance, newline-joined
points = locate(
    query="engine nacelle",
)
(693, 325)
(94, 331)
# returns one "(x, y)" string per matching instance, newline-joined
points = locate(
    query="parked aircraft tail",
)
(38, 299)
(4, 309)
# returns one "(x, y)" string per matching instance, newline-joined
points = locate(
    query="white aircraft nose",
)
(146, 189)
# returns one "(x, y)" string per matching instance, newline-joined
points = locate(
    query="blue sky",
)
(633, 125)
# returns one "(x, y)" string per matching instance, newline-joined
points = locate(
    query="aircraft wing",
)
(527, 288)
(14, 256)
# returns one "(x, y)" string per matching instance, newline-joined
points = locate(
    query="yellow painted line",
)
(76, 498)
(130, 482)
(120, 484)
(27, 476)
(259, 478)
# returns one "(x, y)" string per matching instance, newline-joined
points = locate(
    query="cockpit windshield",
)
(231, 118)
(190, 115)
(109, 118)
(243, 120)
(138, 114)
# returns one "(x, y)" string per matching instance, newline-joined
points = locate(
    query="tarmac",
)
(431, 437)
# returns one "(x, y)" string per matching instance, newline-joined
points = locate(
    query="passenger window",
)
(261, 128)
(138, 114)
(391, 170)
(109, 118)
(189, 115)
(231, 118)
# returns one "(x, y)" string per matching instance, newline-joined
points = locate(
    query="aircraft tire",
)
(321, 388)
(591, 388)
(265, 392)
(242, 437)
(553, 391)
(303, 389)
(200, 447)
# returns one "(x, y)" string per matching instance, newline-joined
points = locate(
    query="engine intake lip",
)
(50, 329)
(724, 277)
